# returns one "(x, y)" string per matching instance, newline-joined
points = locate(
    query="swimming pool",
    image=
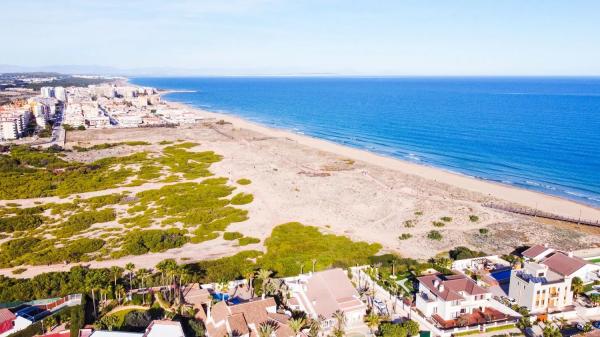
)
(501, 275)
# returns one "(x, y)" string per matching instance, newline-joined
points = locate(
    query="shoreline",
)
(528, 198)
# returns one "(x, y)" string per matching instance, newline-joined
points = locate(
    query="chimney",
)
(208, 315)
(546, 245)
(436, 283)
(441, 288)
(570, 254)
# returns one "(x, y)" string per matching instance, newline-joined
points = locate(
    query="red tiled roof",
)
(453, 285)
(563, 264)
(238, 324)
(6, 315)
(534, 251)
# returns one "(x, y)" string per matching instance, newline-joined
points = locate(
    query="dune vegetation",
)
(190, 206)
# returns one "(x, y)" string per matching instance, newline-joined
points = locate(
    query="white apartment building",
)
(540, 289)
(13, 123)
(543, 285)
(47, 92)
(564, 262)
(60, 93)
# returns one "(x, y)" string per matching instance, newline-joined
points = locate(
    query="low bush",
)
(230, 236)
(438, 224)
(247, 241)
(242, 199)
(473, 218)
(405, 236)
(155, 240)
(434, 235)
(244, 181)
(446, 218)
(483, 231)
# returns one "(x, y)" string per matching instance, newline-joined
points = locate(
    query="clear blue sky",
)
(477, 37)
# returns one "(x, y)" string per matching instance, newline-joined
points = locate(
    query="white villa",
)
(456, 300)
(323, 293)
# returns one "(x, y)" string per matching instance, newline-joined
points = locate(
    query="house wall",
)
(538, 297)
(448, 310)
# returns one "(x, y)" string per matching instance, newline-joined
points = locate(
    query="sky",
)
(291, 37)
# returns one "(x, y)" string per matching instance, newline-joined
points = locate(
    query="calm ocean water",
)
(541, 134)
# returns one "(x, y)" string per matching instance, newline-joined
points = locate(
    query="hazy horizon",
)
(282, 37)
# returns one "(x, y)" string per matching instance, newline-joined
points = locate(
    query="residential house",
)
(457, 300)
(7, 320)
(244, 319)
(323, 293)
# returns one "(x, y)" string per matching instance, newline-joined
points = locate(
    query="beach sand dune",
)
(362, 195)
(346, 192)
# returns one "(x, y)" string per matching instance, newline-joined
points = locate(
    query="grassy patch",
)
(244, 181)
(230, 236)
(247, 240)
(294, 243)
(242, 199)
(142, 242)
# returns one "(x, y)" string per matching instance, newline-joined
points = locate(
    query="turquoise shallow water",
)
(541, 134)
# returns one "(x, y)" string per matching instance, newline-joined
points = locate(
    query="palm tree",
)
(296, 324)
(91, 284)
(130, 268)
(115, 273)
(142, 274)
(372, 321)
(265, 276)
(266, 329)
(119, 292)
(250, 277)
(340, 323)
(577, 286)
(314, 327)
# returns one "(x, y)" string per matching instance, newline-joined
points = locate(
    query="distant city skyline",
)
(284, 37)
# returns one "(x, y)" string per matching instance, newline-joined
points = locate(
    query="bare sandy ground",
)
(344, 191)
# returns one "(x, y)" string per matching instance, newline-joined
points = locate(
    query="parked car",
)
(583, 326)
(596, 324)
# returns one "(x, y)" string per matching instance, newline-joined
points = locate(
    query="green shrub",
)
(434, 235)
(405, 236)
(473, 218)
(446, 218)
(142, 242)
(242, 199)
(18, 271)
(461, 253)
(409, 223)
(244, 181)
(293, 242)
(438, 224)
(247, 241)
(483, 231)
(82, 221)
(20, 222)
(230, 236)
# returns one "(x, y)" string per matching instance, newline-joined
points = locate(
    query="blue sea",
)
(541, 134)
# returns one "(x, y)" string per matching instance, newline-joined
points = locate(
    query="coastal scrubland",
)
(216, 189)
(191, 206)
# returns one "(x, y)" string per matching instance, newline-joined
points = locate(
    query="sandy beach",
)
(344, 191)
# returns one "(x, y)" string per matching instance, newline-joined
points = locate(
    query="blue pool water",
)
(502, 275)
(541, 134)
